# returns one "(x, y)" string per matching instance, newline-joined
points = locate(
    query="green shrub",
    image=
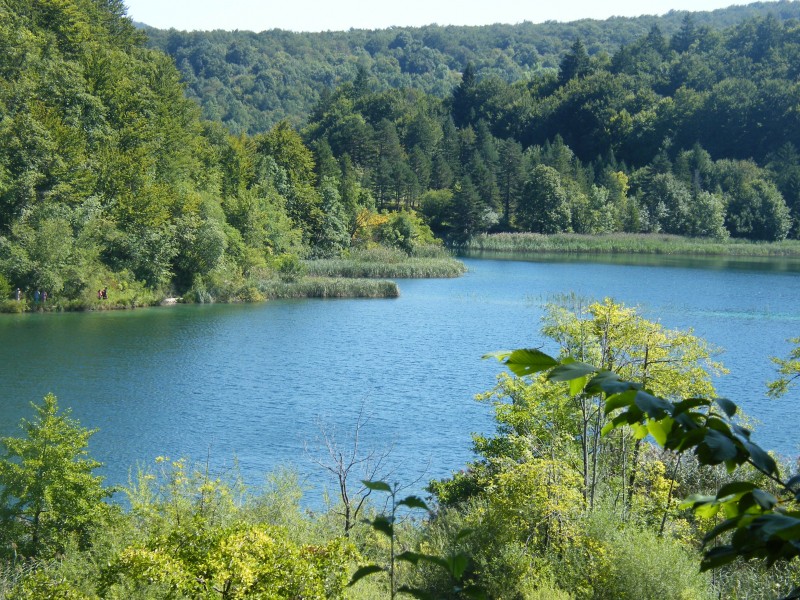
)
(13, 306)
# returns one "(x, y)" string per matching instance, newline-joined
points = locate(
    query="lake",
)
(257, 383)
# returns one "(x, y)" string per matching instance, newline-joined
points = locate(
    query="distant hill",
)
(250, 81)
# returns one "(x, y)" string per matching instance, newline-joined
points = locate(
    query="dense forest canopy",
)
(250, 81)
(110, 176)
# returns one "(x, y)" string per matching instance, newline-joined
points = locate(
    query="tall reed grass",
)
(381, 262)
(325, 287)
(629, 243)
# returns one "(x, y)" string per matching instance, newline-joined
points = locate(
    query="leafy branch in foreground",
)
(762, 524)
(454, 565)
(789, 370)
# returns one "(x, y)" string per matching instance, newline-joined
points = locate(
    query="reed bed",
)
(381, 263)
(329, 287)
(619, 243)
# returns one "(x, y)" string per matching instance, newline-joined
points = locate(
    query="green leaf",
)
(382, 524)
(653, 405)
(764, 499)
(659, 430)
(726, 405)
(621, 400)
(639, 431)
(696, 499)
(723, 527)
(610, 426)
(571, 370)
(733, 488)
(610, 383)
(362, 572)
(414, 502)
(529, 361)
(720, 447)
(706, 510)
(760, 458)
(689, 404)
(415, 557)
(781, 526)
(458, 564)
(718, 557)
(377, 486)
(576, 385)
(408, 556)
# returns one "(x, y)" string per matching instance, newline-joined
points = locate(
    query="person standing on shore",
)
(17, 295)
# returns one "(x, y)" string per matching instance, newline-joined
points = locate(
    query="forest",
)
(112, 178)
(112, 175)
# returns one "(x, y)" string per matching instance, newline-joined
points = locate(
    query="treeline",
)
(693, 134)
(110, 178)
(250, 81)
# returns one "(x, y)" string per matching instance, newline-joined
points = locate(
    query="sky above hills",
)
(324, 15)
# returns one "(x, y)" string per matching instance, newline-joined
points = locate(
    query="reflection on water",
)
(764, 264)
(253, 383)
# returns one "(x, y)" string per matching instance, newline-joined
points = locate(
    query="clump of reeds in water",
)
(382, 262)
(329, 287)
(628, 243)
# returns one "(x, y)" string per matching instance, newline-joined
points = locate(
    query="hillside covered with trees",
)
(606, 127)
(252, 80)
(110, 178)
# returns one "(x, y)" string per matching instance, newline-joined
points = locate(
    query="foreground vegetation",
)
(568, 500)
(628, 244)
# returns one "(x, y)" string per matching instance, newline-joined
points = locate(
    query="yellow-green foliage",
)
(241, 561)
(538, 501)
(197, 540)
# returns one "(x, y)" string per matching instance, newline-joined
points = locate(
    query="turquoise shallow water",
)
(254, 383)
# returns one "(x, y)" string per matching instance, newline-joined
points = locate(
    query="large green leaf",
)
(526, 361)
(413, 502)
(781, 526)
(735, 487)
(653, 405)
(729, 407)
(760, 458)
(659, 430)
(621, 400)
(720, 447)
(718, 557)
(383, 524)
(362, 572)
(571, 370)
(378, 486)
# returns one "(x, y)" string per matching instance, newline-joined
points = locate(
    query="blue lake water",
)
(254, 383)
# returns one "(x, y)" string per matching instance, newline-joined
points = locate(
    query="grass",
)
(329, 287)
(430, 262)
(629, 243)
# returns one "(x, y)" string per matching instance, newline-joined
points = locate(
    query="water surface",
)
(255, 383)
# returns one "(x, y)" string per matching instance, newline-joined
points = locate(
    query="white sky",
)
(337, 15)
